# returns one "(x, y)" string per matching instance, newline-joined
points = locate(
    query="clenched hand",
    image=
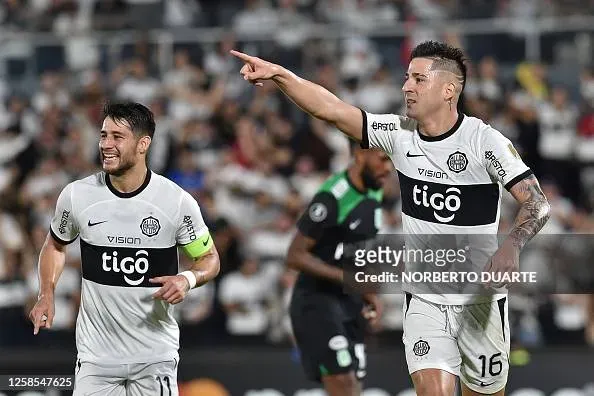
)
(174, 288)
(505, 260)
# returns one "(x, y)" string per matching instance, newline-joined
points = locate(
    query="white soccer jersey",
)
(449, 187)
(126, 239)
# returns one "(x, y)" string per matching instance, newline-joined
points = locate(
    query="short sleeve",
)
(320, 215)
(191, 226)
(379, 131)
(501, 159)
(63, 227)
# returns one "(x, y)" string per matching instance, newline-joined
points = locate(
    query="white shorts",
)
(469, 341)
(159, 379)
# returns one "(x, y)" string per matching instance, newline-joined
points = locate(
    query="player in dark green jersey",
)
(329, 323)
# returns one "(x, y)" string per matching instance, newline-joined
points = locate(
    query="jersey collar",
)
(130, 194)
(443, 135)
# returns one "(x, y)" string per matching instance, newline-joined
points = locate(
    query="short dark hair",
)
(445, 57)
(139, 117)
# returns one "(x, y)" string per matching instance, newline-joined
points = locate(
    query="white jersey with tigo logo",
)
(126, 239)
(450, 187)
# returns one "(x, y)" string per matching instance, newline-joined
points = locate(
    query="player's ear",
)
(450, 91)
(143, 144)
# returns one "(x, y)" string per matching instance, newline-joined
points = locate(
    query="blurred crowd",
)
(252, 159)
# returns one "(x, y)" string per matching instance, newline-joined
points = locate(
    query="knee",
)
(434, 383)
(341, 384)
(431, 389)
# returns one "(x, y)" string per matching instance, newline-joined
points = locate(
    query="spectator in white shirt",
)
(244, 295)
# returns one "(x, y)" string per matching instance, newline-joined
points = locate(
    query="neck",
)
(131, 180)
(355, 177)
(438, 123)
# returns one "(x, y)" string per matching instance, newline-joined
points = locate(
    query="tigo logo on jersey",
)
(457, 162)
(127, 265)
(449, 201)
(150, 226)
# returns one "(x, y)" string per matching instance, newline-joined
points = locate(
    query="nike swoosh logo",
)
(204, 243)
(409, 155)
(490, 383)
(94, 224)
(355, 224)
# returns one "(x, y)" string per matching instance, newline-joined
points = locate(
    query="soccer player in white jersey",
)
(131, 222)
(450, 167)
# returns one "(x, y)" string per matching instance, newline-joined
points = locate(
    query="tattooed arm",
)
(532, 216)
(534, 211)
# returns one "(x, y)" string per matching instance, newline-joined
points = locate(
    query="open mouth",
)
(107, 158)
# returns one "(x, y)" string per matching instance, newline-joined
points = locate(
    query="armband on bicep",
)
(199, 246)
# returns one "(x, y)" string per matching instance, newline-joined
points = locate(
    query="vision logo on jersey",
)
(150, 226)
(432, 173)
(457, 162)
(137, 265)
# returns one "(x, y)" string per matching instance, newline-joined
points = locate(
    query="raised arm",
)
(310, 97)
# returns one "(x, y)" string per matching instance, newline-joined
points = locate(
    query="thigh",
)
(93, 379)
(159, 379)
(484, 345)
(323, 341)
(428, 340)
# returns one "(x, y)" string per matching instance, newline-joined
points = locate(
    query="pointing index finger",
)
(241, 55)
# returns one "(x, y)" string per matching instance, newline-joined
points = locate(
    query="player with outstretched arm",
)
(445, 334)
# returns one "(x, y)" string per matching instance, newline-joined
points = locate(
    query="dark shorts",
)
(329, 332)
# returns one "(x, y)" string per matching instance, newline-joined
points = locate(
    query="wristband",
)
(189, 275)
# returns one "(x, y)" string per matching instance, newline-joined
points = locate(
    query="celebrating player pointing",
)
(450, 167)
(130, 222)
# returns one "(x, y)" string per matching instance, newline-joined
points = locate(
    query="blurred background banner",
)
(252, 159)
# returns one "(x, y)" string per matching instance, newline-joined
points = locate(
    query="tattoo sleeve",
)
(533, 214)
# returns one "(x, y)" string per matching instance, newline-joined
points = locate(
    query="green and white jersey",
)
(339, 215)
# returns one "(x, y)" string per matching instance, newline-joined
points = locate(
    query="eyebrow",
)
(114, 132)
(415, 74)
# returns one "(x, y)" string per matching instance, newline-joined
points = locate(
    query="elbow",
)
(293, 260)
(544, 211)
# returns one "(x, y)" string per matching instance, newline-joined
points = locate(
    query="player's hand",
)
(255, 69)
(505, 260)
(174, 288)
(373, 308)
(42, 313)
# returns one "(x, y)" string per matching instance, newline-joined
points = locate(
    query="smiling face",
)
(428, 89)
(119, 148)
